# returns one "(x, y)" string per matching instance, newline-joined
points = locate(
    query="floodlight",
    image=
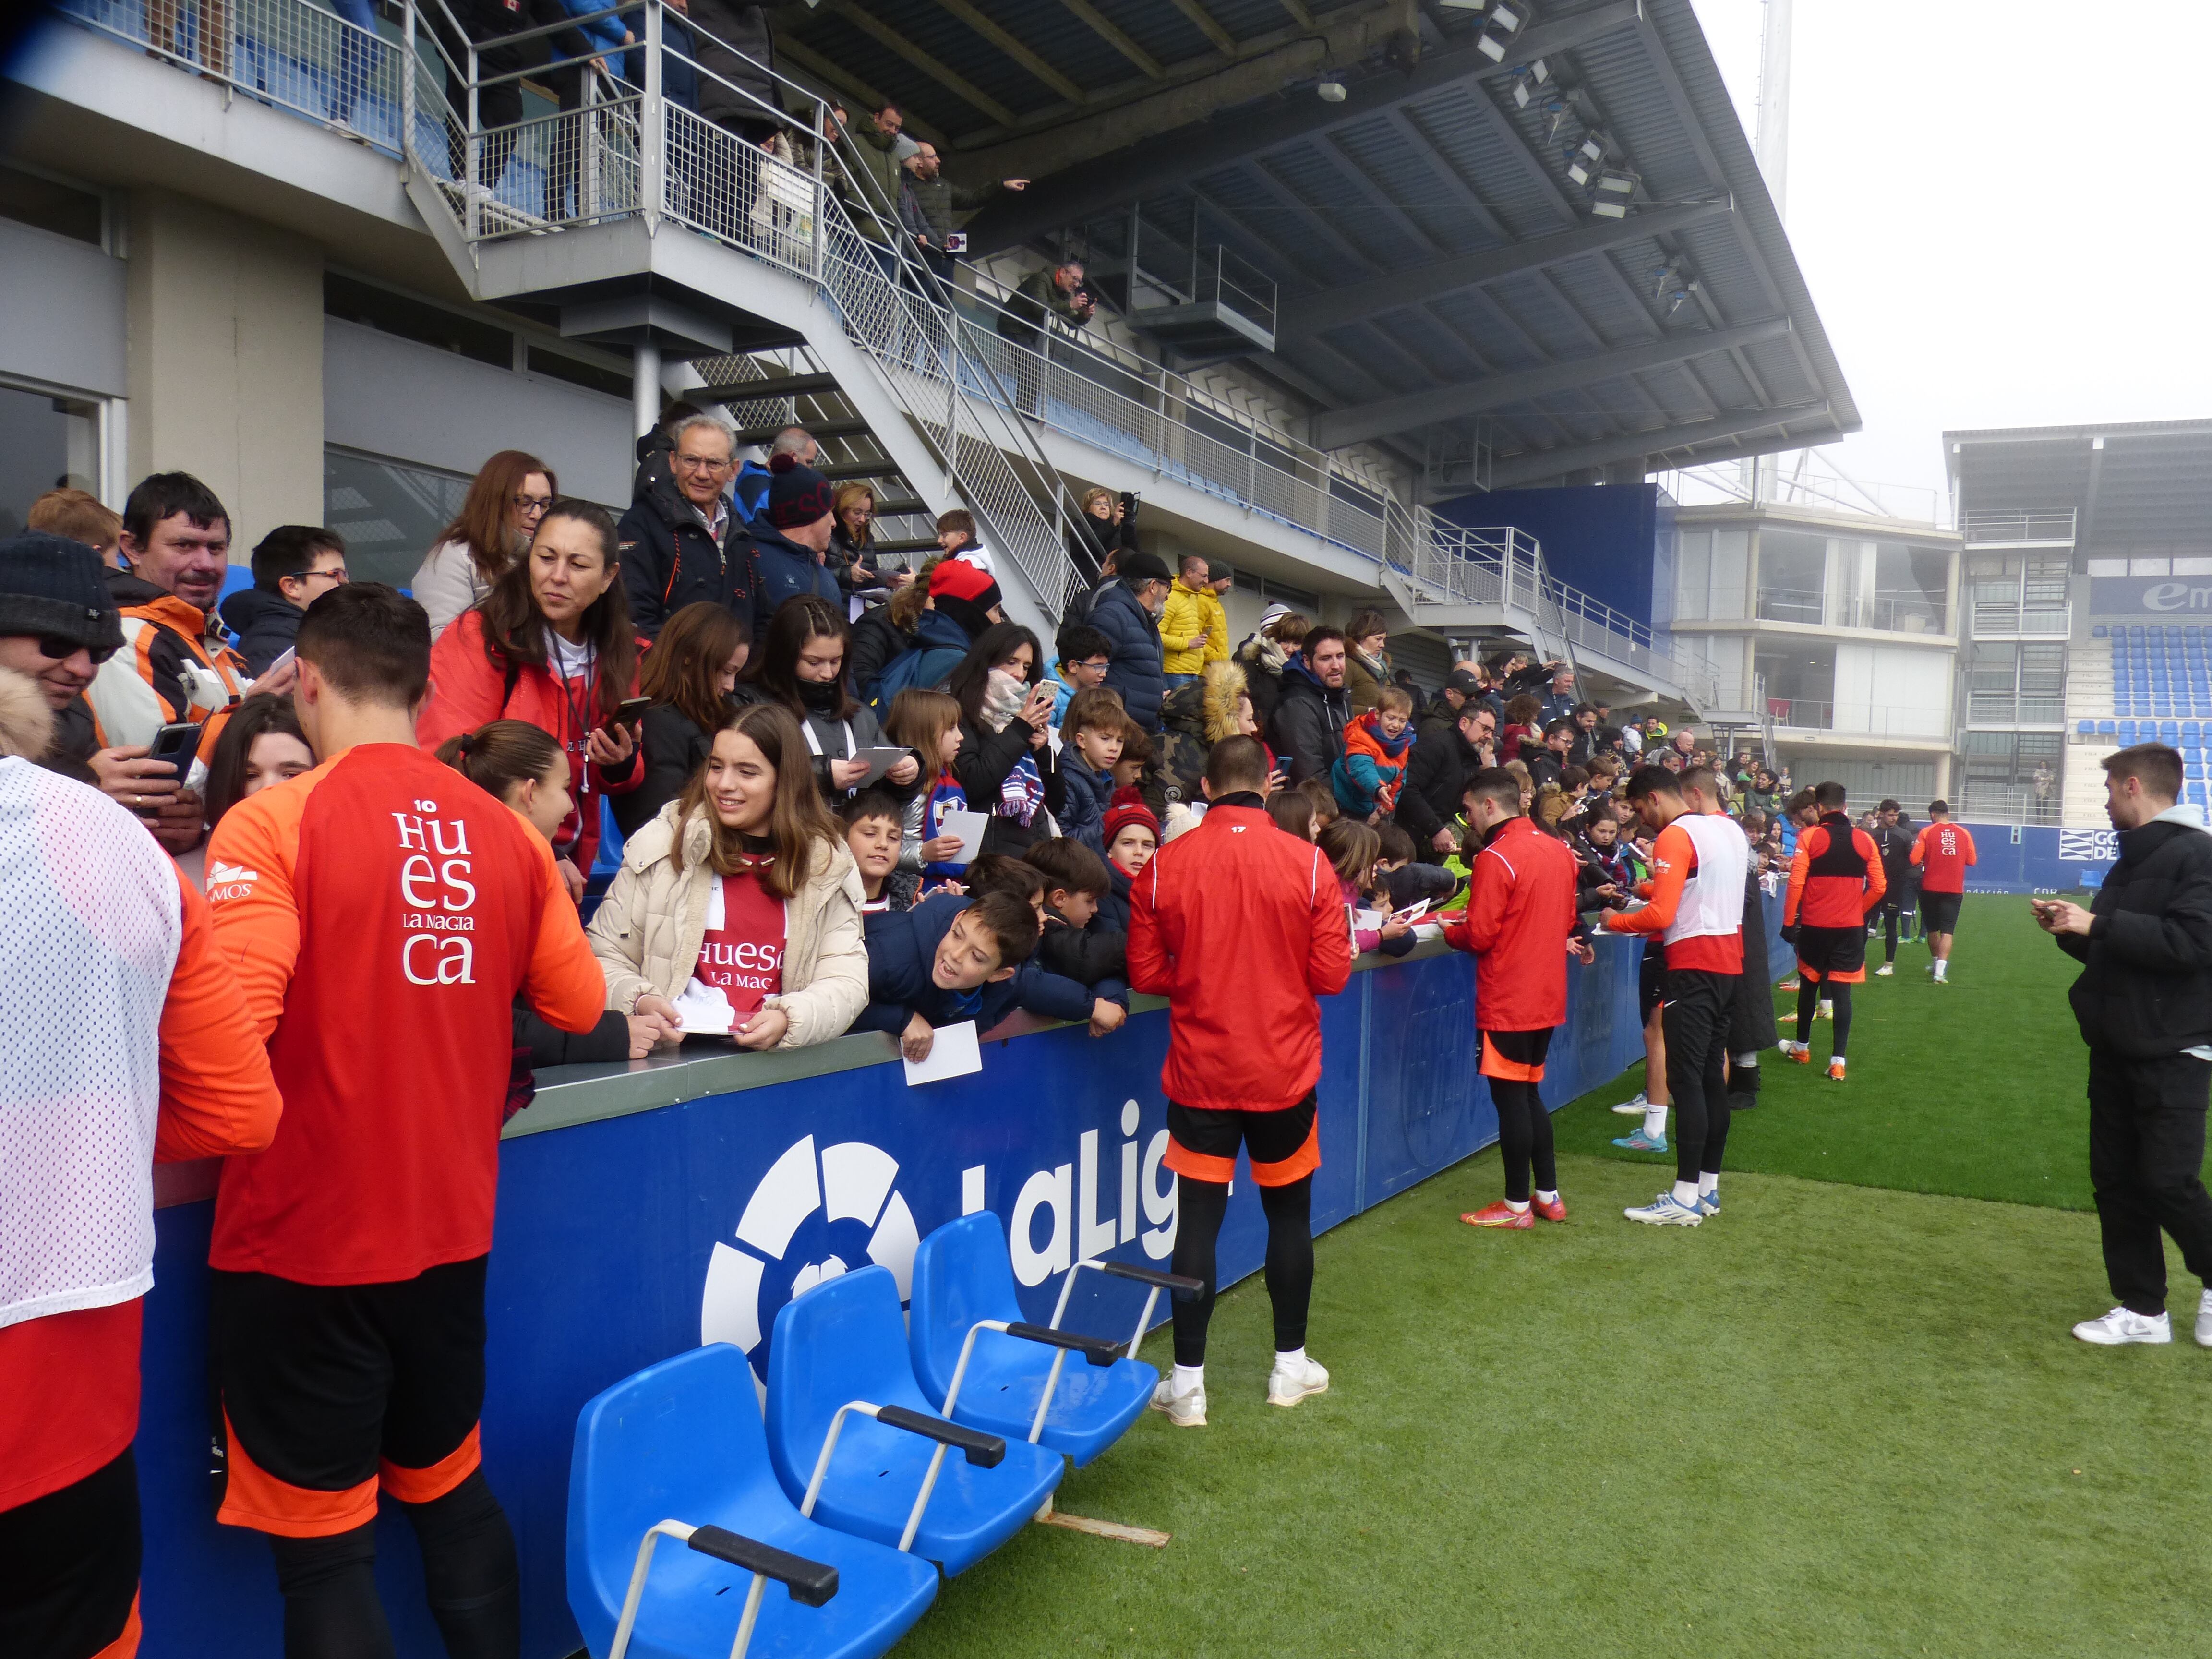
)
(1463, 5)
(1528, 80)
(1616, 181)
(1585, 158)
(1331, 90)
(1609, 207)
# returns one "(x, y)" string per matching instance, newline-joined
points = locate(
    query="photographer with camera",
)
(1106, 526)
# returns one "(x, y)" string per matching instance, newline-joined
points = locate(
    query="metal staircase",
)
(771, 278)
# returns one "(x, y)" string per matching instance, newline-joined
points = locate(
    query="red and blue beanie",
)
(797, 495)
(1127, 807)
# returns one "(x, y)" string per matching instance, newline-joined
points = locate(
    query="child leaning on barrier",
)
(1078, 942)
(1352, 850)
(1365, 779)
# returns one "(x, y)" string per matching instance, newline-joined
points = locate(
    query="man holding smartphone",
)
(2144, 1005)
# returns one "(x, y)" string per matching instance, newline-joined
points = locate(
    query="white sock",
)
(1518, 1207)
(1655, 1120)
(1291, 1359)
(1709, 1184)
(1827, 1009)
(1744, 1062)
(1548, 1198)
(1685, 1194)
(1941, 962)
(1187, 1377)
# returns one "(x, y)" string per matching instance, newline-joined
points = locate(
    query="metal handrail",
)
(2054, 525)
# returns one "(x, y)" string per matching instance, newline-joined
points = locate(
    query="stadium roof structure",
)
(2141, 485)
(1445, 285)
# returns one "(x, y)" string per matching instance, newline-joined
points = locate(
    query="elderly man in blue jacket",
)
(1126, 611)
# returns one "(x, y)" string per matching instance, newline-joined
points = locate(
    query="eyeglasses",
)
(58, 646)
(531, 506)
(335, 575)
(704, 464)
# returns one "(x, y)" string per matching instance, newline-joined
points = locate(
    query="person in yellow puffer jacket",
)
(1193, 626)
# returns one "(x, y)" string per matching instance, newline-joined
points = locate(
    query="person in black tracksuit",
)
(1895, 843)
(2144, 1005)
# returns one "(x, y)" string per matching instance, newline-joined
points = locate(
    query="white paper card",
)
(969, 827)
(954, 1053)
(880, 760)
(1412, 913)
(1367, 921)
(704, 1010)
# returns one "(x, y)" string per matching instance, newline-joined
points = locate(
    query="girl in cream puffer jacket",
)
(648, 929)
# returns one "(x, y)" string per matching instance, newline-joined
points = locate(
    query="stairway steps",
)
(829, 429)
(788, 386)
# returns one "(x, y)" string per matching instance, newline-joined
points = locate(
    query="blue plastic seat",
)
(963, 1276)
(845, 1342)
(2097, 632)
(2169, 731)
(2106, 728)
(682, 1440)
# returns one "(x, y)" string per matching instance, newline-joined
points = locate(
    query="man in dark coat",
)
(1307, 733)
(2144, 1005)
(791, 542)
(736, 48)
(681, 541)
(1444, 757)
(1126, 611)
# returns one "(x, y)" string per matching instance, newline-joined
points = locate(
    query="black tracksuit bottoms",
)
(2146, 1153)
(1695, 1016)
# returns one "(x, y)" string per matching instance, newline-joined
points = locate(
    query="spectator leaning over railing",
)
(294, 565)
(346, 1306)
(1024, 321)
(508, 496)
(682, 542)
(551, 645)
(175, 666)
(78, 515)
(740, 902)
(689, 674)
(154, 1059)
(736, 49)
(871, 152)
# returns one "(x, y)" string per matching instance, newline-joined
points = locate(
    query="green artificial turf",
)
(1845, 1418)
(1973, 1088)
(1832, 1421)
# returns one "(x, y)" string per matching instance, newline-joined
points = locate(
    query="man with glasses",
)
(682, 542)
(294, 565)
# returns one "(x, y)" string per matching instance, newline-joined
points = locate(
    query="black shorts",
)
(324, 1392)
(1284, 1146)
(1939, 913)
(1516, 1056)
(1651, 979)
(1832, 953)
(69, 1566)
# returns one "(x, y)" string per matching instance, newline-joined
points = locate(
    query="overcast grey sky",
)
(2003, 207)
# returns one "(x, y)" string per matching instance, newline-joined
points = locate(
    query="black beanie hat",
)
(52, 585)
(797, 495)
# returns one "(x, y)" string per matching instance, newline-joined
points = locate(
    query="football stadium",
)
(816, 818)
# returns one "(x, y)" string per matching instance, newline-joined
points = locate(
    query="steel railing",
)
(1869, 718)
(967, 373)
(2010, 619)
(1884, 613)
(2055, 525)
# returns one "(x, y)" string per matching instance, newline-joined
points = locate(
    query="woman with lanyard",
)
(800, 664)
(1004, 765)
(550, 644)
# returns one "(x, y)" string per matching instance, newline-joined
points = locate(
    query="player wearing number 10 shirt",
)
(383, 915)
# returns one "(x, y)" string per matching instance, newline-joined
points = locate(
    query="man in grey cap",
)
(57, 623)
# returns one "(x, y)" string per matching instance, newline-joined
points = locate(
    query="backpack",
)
(928, 666)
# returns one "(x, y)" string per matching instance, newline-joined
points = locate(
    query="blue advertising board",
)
(2148, 599)
(2011, 858)
(623, 1239)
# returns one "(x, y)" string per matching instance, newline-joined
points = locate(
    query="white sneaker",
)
(2204, 1321)
(1667, 1210)
(1634, 1107)
(2120, 1326)
(1287, 1385)
(1884, 971)
(1185, 1410)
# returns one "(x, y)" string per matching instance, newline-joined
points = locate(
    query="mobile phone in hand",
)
(177, 744)
(630, 711)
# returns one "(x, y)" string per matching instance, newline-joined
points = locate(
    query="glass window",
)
(45, 441)
(389, 511)
(1692, 575)
(1792, 576)
(67, 211)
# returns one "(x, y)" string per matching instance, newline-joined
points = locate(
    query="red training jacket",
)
(1835, 878)
(1520, 910)
(1943, 850)
(1240, 926)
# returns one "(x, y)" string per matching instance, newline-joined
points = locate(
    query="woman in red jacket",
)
(550, 644)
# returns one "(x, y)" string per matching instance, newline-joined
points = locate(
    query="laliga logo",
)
(801, 1225)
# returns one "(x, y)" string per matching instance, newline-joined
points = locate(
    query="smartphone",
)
(176, 744)
(630, 710)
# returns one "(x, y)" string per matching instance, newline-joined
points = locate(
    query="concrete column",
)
(1943, 780)
(644, 387)
(225, 361)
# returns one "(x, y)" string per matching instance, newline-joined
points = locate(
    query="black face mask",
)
(823, 695)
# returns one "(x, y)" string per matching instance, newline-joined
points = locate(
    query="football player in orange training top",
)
(1944, 852)
(1698, 865)
(1835, 880)
(382, 914)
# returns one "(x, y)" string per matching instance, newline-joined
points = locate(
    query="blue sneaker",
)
(1640, 1142)
(1667, 1210)
(1709, 1203)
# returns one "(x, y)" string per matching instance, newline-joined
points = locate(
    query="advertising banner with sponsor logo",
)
(2145, 598)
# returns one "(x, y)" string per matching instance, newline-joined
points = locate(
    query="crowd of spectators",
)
(734, 680)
